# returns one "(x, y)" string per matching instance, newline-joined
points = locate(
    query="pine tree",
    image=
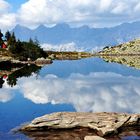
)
(1, 35)
(36, 42)
(31, 41)
(7, 35)
(12, 40)
(13, 37)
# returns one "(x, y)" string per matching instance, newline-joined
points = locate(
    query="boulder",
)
(102, 123)
(93, 138)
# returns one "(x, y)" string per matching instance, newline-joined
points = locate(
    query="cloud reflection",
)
(6, 93)
(94, 92)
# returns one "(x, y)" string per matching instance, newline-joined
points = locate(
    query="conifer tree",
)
(12, 40)
(1, 35)
(7, 35)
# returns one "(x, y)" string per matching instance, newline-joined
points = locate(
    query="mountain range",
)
(83, 36)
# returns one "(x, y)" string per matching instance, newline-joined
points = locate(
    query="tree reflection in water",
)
(26, 71)
(10, 72)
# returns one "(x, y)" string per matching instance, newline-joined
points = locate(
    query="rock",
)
(93, 138)
(43, 61)
(102, 123)
(52, 56)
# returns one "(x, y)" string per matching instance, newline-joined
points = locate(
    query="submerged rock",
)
(102, 123)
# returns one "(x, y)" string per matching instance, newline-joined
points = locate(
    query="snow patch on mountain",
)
(62, 47)
(72, 47)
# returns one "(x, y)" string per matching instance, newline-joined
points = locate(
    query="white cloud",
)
(137, 7)
(38, 12)
(105, 4)
(120, 8)
(6, 93)
(4, 6)
(97, 13)
(91, 12)
(7, 19)
(94, 92)
(5, 97)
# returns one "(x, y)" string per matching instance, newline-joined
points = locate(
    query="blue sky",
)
(94, 13)
(16, 4)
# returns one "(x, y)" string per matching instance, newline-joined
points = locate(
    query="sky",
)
(94, 13)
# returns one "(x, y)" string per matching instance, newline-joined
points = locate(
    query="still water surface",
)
(89, 85)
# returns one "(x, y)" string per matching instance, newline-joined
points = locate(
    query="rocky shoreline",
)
(131, 48)
(6, 56)
(94, 124)
(39, 61)
(68, 55)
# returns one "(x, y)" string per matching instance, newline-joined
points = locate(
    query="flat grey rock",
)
(103, 123)
(93, 138)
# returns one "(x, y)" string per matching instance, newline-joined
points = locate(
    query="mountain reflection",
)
(91, 93)
(131, 61)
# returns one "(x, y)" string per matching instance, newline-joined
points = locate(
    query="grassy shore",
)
(68, 55)
(125, 49)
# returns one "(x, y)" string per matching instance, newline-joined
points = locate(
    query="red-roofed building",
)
(4, 46)
(5, 76)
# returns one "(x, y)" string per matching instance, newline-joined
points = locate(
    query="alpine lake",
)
(107, 84)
